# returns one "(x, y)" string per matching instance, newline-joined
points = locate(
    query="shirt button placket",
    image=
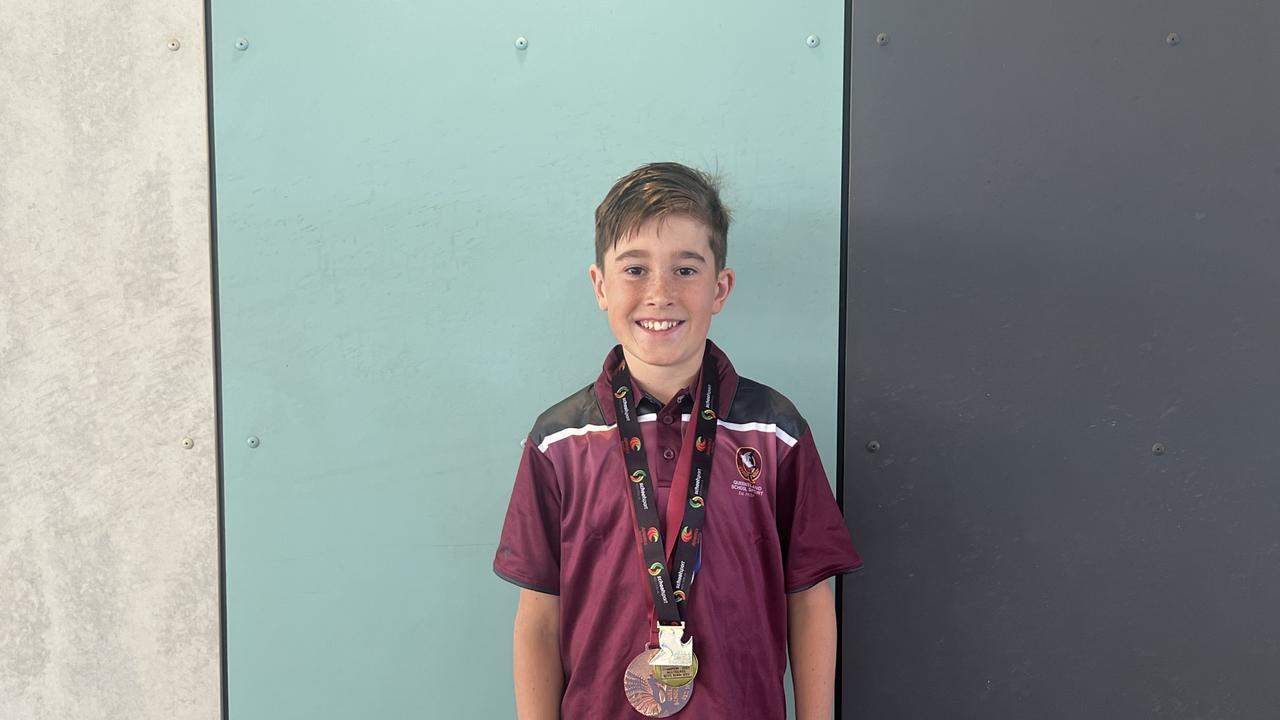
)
(669, 436)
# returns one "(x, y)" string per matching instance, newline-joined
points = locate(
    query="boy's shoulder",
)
(580, 411)
(755, 402)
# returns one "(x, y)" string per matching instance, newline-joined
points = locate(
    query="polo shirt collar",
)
(728, 382)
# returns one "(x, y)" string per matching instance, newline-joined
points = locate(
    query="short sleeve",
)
(529, 548)
(815, 542)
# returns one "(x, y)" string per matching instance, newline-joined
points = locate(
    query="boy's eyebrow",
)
(644, 255)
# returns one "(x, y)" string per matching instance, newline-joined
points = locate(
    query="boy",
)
(670, 468)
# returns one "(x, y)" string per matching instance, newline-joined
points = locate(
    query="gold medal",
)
(676, 675)
(650, 696)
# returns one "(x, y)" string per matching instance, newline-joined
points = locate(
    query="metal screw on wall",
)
(873, 446)
(813, 41)
(1157, 449)
(882, 39)
(242, 44)
(1173, 38)
(253, 441)
(522, 43)
(188, 443)
(173, 45)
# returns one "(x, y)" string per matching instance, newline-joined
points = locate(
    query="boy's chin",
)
(660, 353)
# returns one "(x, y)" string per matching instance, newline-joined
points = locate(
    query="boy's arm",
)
(535, 652)
(811, 628)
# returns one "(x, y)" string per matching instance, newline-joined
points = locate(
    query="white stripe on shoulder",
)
(559, 435)
(761, 427)
(755, 426)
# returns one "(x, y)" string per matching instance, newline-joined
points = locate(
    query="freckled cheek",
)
(622, 307)
(628, 301)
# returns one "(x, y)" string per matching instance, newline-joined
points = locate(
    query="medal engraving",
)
(676, 676)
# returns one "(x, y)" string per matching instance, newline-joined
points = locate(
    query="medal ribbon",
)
(670, 584)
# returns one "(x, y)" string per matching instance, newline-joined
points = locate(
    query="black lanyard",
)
(669, 597)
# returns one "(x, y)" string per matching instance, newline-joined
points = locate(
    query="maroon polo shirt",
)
(772, 527)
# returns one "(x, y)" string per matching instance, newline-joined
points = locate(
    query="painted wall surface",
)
(108, 534)
(405, 206)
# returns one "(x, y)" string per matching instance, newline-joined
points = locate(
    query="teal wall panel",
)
(404, 206)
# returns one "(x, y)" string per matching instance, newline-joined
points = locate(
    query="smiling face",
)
(660, 287)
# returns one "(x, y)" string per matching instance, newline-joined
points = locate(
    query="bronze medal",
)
(650, 696)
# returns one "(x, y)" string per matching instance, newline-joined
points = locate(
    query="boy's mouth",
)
(659, 326)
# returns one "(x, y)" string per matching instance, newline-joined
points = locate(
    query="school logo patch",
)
(750, 468)
(749, 464)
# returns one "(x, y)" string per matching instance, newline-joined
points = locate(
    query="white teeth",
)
(658, 325)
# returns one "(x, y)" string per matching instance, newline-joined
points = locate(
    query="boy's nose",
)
(659, 292)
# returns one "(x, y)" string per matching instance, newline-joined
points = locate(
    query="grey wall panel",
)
(1063, 253)
(108, 534)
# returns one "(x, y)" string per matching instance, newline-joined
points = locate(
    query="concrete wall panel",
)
(108, 524)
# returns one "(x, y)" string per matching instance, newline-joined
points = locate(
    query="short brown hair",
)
(654, 191)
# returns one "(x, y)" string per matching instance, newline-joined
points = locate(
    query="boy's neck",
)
(662, 382)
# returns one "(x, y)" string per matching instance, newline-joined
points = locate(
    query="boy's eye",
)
(633, 270)
(686, 272)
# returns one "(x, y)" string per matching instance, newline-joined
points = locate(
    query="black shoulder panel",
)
(756, 402)
(575, 411)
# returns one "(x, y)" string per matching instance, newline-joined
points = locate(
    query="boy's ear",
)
(597, 284)
(724, 286)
